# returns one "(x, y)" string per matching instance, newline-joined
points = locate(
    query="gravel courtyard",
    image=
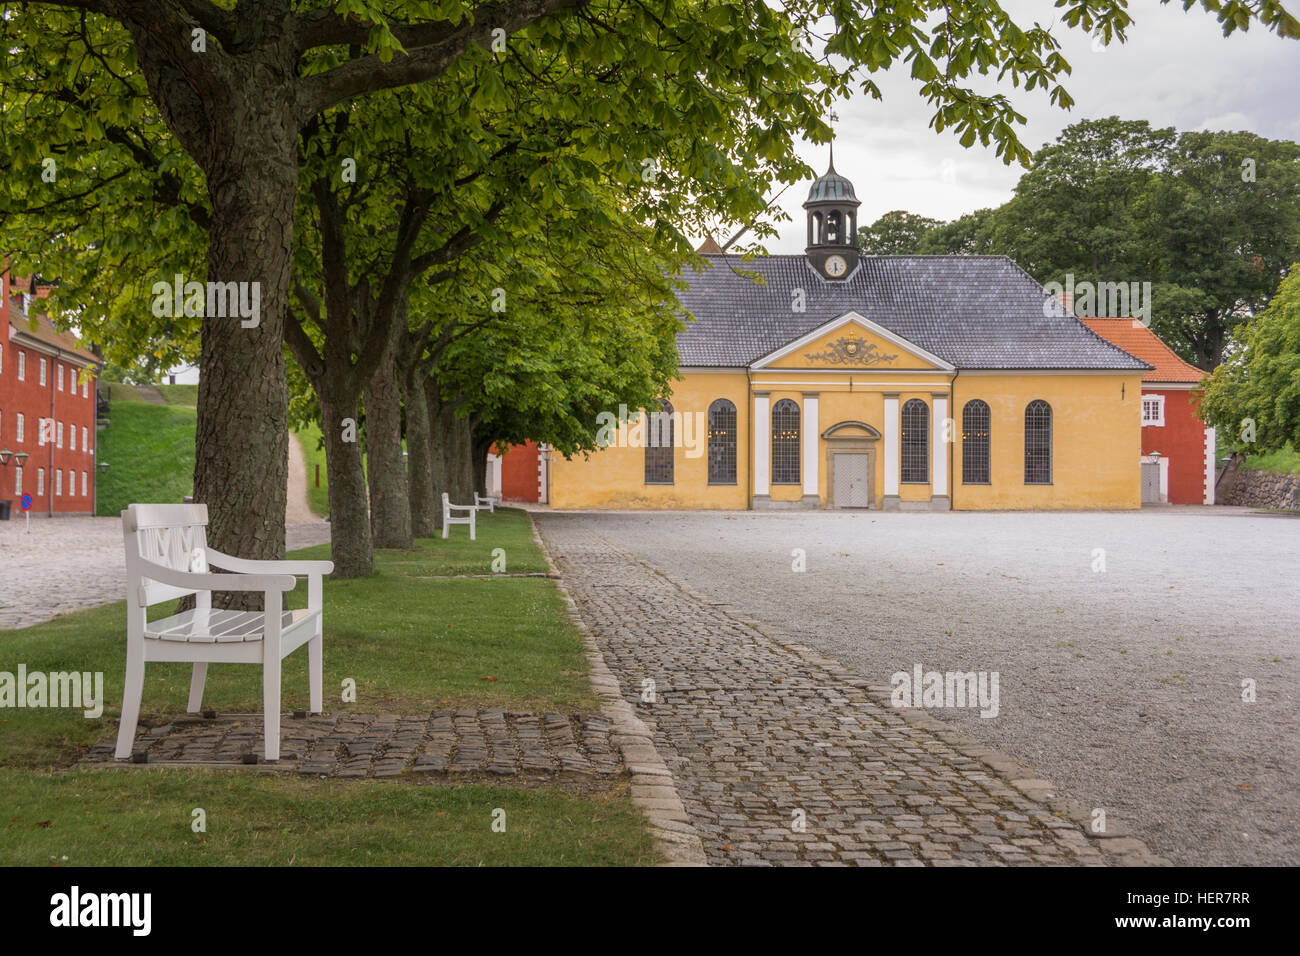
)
(1122, 686)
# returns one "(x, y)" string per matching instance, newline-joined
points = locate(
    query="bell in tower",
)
(832, 225)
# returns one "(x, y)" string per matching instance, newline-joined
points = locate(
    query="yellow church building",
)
(836, 380)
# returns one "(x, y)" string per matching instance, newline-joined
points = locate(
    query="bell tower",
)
(832, 211)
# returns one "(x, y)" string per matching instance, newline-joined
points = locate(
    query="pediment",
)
(860, 430)
(852, 342)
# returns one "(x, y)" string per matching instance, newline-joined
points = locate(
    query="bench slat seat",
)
(221, 627)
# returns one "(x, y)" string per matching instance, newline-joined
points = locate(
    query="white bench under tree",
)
(448, 519)
(485, 501)
(167, 557)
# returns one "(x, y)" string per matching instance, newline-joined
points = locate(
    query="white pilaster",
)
(891, 445)
(939, 436)
(811, 431)
(762, 444)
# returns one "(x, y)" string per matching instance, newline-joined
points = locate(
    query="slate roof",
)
(976, 312)
(1136, 339)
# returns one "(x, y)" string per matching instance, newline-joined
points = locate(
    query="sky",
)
(1177, 69)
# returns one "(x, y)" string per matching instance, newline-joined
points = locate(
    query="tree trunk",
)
(350, 545)
(478, 463)
(242, 437)
(425, 504)
(390, 507)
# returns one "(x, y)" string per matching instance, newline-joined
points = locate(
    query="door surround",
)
(850, 438)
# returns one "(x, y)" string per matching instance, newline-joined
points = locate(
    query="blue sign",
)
(26, 502)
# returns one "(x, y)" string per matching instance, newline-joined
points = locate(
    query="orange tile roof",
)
(1139, 341)
(46, 332)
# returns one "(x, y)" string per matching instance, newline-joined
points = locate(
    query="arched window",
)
(722, 443)
(833, 226)
(916, 441)
(659, 447)
(975, 443)
(785, 443)
(1038, 443)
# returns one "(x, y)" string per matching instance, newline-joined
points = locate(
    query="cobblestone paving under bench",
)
(758, 734)
(351, 745)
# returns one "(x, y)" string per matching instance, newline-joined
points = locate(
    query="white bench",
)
(448, 520)
(485, 501)
(167, 557)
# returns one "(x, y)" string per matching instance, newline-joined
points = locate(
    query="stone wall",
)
(1257, 489)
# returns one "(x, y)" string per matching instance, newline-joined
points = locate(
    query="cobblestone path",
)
(459, 744)
(782, 757)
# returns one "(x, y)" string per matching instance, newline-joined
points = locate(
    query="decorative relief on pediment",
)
(852, 351)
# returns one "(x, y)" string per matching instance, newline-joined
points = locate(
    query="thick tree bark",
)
(241, 461)
(350, 541)
(478, 462)
(390, 507)
(425, 504)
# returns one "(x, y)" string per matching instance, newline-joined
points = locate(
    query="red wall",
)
(519, 472)
(32, 400)
(1182, 440)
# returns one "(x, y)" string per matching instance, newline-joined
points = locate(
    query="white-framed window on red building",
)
(2, 358)
(58, 375)
(43, 363)
(22, 366)
(18, 428)
(83, 485)
(1153, 411)
(85, 445)
(18, 481)
(40, 481)
(72, 438)
(58, 442)
(85, 388)
(58, 483)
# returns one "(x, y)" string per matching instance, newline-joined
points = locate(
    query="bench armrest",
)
(247, 566)
(462, 507)
(205, 581)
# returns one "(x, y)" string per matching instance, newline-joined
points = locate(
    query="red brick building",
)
(47, 409)
(1178, 457)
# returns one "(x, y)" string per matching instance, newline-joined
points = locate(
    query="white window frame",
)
(18, 481)
(44, 365)
(58, 482)
(85, 388)
(83, 485)
(58, 375)
(58, 434)
(2, 358)
(19, 428)
(1159, 420)
(40, 482)
(72, 438)
(85, 445)
(22, 366)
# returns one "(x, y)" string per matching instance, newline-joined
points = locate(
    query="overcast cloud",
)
(1177, 69)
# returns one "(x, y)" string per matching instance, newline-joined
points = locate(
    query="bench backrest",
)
(171, 535)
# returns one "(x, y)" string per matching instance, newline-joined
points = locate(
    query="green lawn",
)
(180, 394)
(1285, 461)
(413, 642)
(150, 454)
(313, 453)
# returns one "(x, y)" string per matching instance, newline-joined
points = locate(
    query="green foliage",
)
(1210, 219)
(1284, 460)
(150, 454)
(895, 233)
(1261, 379)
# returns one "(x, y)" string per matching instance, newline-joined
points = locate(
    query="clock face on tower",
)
(836, 266)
